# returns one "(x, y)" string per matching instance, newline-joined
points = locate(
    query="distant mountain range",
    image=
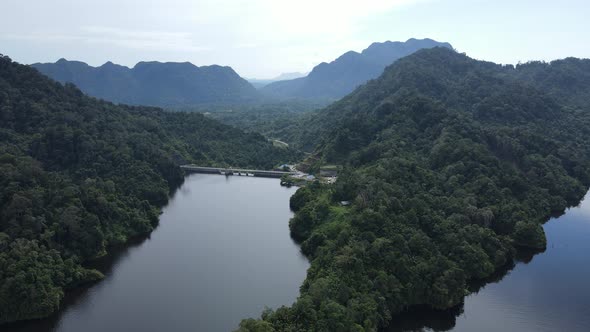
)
(259, 83)
(154, 83)
(336, 79)
(182, 84)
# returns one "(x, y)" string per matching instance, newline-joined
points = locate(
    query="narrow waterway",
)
(222, 252)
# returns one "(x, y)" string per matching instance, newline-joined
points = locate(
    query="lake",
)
(222, 252)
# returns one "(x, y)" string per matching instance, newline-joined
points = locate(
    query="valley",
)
(430, 191)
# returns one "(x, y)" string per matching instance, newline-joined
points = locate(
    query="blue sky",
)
(263, 38)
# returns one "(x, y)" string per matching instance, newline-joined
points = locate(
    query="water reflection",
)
(541, 291)
(74, 297)
(222, 252)
(421, 317)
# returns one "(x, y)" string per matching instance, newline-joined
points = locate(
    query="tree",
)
(529, 234)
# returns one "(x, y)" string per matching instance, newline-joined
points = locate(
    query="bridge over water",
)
(235, 171)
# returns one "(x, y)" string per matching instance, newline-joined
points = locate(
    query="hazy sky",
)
(263, 38)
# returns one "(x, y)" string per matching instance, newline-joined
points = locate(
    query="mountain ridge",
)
(339, 77)
(449, 167)
(80, 175)
(154, 83)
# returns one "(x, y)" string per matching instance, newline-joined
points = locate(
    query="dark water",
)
(222, 252)
(549, 291)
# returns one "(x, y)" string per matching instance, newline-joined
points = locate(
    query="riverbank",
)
(540, 291)
(221, 252)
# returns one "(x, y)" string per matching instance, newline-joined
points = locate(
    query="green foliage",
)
(450, 164)
(529, 234)
(253, 325)
(78, 175)
(277, 121)
(33, 278)
(301, 197)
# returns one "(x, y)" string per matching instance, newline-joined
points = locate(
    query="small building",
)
(329, 171)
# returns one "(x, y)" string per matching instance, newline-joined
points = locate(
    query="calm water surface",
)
(549, 291)
(222, 252)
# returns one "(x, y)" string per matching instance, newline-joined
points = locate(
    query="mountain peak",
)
(154, 83)
(341, 76)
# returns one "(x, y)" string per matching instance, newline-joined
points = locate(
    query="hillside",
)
(80, 175)
(566, 80)
(336, 79)
(154, 83)
(451, 165)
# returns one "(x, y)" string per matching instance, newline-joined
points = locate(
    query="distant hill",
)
(259, 83)
(166, 84)
(336, 79)
(80, 175)
(449, 166)
(289, 76)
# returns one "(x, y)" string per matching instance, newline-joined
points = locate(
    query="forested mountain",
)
(451, 165)
(339, 77)
(565, 80)
(79, 175)
(167, 84)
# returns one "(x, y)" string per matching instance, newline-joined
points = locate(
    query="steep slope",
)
(78, 175)
(339, 77)
(451, 165)
(154, 83)
(566, 80)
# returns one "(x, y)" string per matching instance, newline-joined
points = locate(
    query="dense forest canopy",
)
(279, 120)
(79, 174)
(451, 165)
(566, 80)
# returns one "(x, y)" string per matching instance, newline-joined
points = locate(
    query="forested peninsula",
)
(450, 166)
(79, 175)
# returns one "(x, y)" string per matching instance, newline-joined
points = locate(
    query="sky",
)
(264, 38)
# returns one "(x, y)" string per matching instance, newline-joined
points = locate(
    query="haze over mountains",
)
(174, 84)
(170, 84)
(336, 79)
(261, 82)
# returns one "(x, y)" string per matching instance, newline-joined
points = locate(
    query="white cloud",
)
(139, 40)
(256, 37)
(143, 40)
(262, 38)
